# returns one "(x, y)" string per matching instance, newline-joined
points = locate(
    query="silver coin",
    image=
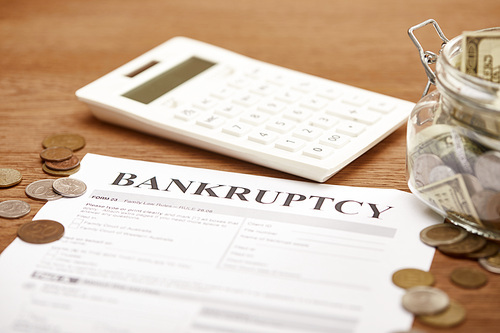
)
(422, 168)
(487, 169)
(487, 204)
(13, 209)
(491, 264)
(42, 190)
(440, 172)
(472, 183)
(424, 300)
(69, 187)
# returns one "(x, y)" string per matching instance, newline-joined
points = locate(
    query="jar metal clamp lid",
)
(427, 57)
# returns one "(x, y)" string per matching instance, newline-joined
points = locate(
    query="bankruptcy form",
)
(154, 247)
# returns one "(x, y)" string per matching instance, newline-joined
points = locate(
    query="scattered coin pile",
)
(430, 305)
(58, 160)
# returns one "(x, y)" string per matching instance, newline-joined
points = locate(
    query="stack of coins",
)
(58, 156)
(456, 242)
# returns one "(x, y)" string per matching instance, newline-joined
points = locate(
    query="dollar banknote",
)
(481, 54)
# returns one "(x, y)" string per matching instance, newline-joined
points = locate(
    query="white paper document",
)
(153, 247)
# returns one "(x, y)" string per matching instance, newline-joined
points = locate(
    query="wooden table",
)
(49, 49)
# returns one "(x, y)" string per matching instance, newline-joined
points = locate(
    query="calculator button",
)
(254, 118)
(355, 99)
(263, 136)
(255, 72)
(317, 151)
(280, 125)
(354, 113)
(313, 103)
(288, 96)
(272, 107)
(246, 99)
(324, 122)
(240, 82)
(205, 103)
(277, 79)
(187, 114)
(329, 93)
(334, 140)
(169, 103)
(304, 86)
(382, 106)
(289, 144)
(228, 110)
(211, 121)
(297, 114)
(263, 89)
(350, 128)
(223, 93)
(237, 129)
(308, 133)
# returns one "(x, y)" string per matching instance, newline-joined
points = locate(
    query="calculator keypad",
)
(286, 114)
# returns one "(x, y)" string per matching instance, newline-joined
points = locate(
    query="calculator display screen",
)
(168, 80)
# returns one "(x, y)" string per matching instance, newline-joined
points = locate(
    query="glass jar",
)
(453, 142)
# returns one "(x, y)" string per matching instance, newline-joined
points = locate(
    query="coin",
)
(469, 244)
(13, 209)
(441, 234)
(412, 277)
(41, 231)
(56, 154)
(472, 184)
(440, 172)
(487, 169)
(423, 166)
(487, 204)
(69, 187)
(425, 300)
(450, 317)
(42, 190)
(60, 173)
(68, 140)
(9, 177)
(491, 264)
(469, 278)
(490, 249)
(65, 165)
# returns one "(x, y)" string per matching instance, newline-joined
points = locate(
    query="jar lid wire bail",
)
(427, 57)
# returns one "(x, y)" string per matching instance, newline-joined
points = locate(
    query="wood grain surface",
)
(50, 48)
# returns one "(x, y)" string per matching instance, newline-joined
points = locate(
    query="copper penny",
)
(41, 231)
(65, 165)
(68, 140)
(469, 278)
(60, 173)
(56, 154)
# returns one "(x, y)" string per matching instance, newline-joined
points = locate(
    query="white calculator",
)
(206, 96)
